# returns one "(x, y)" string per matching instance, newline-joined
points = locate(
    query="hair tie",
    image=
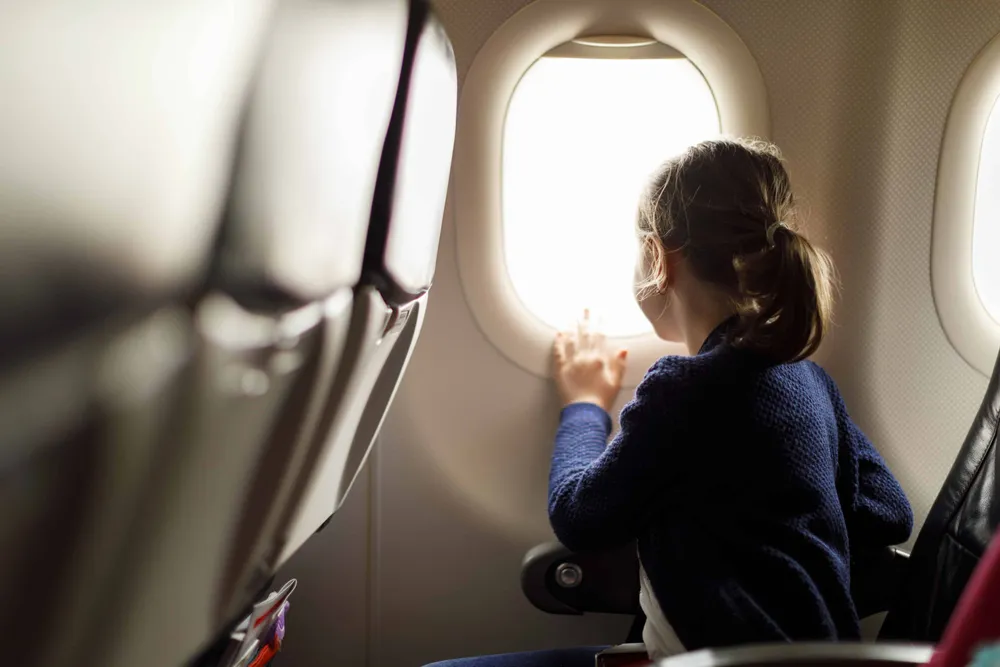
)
(772, 229)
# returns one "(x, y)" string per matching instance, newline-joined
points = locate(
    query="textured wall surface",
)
(859, 92)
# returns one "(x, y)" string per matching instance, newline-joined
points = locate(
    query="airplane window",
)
(582, 135)
(986, 225)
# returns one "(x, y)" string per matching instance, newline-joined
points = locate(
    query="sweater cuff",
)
(575, 411)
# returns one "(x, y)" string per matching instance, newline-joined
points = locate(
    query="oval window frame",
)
(705, 39)
(970, 329)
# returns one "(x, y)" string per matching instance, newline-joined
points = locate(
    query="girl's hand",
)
(585, 372)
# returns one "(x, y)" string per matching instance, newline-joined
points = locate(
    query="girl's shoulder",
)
(685, 375)
(730, 367)
(669, 379)
(677, 369)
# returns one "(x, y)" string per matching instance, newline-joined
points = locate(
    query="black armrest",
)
(876, 578)
(559, 581)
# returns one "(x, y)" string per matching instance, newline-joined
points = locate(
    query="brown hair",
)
(727, 206)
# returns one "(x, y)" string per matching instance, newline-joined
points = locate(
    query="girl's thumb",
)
(620, 359)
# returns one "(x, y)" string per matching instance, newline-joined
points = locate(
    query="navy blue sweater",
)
(746, 485)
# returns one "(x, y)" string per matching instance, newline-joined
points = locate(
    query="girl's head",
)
(717, 232)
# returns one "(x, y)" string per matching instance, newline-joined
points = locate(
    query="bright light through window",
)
(986, 229)
(582, 136)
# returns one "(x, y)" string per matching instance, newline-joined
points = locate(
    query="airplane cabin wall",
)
(859, 93)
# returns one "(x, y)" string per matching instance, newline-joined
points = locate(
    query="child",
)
(737, 469)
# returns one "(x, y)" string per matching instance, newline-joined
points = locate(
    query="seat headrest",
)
(116, 129)
(416, 166)
(310, 151)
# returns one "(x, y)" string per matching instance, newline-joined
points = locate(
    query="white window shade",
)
(581, 137)
(986, 225)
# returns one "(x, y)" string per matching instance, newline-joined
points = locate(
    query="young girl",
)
(737, 468)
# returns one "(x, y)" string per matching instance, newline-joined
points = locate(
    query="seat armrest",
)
(807, 654)
(624, 655)
(559, 581)
(876, 578)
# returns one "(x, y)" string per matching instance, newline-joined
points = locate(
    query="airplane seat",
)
(919, 590)
(955, 534)
(271, 326)
(400, 256)
(117, 127)
(303, 194)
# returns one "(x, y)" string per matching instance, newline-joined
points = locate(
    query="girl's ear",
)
(659, 263)
(671, 262)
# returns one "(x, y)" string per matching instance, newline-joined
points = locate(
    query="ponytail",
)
(785, 299)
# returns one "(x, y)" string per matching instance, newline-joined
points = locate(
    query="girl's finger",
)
(619, 364)
(569, 346)
(583, 329)
(559, 347)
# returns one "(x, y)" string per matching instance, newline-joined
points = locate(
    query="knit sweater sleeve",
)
(880, 514)
(875, 506)
(599, 494)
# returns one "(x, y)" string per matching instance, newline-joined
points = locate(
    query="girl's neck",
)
(696, 335)
(700, 316)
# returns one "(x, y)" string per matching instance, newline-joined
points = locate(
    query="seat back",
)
(189, 299)
(301, 210)
(117, 129)
(271, 326)
(400, 256)
(407, 214)
(955, 535)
